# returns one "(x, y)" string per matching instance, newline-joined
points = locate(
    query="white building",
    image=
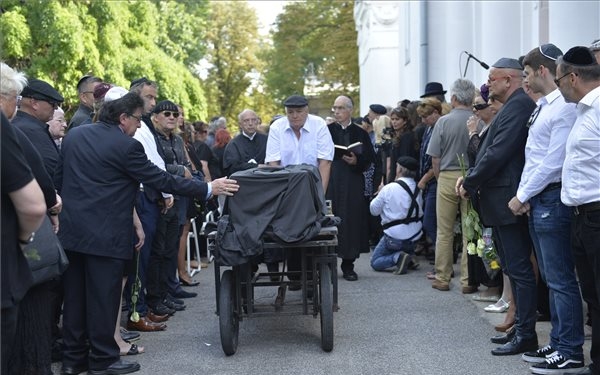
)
(402, 45)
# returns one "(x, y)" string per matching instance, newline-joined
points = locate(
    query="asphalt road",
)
(386, 324)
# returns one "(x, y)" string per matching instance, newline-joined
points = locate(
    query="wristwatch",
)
(28, 240)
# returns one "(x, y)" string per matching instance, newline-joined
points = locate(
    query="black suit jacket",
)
(98, 179)
(500, 160)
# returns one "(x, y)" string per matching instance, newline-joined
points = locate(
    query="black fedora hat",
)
(433, 88)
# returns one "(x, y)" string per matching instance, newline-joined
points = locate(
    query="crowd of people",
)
(123, 180)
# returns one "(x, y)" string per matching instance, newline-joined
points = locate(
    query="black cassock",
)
(346, 191)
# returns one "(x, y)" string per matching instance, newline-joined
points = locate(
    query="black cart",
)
(234, 288)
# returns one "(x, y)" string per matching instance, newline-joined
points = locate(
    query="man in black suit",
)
(495, 177)
(99, 175)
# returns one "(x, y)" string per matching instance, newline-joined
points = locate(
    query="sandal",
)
(134, 350)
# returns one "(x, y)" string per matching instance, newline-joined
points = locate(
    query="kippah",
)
(138, 81)
(580, 56)
(507, 63)
(378, 108)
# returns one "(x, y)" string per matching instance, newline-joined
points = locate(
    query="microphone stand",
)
(467, 65)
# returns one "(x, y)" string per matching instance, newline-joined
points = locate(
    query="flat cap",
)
(433, 88)
(508, 63)
(580, 56)
(165, 105)
(409, 163)
(295, 101)
(115, 93)
(41, 90)
(550, 51)
(378, 108)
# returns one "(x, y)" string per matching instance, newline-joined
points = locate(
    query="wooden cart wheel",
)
(326, 307)
(228, 316)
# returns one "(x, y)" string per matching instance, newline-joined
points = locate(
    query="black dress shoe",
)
(517, 345)
(350, 275)
(119, 367)
(172, 305)
(161, 309)
(73, 370)
(129, 336)
(184, 294)
(504, 338)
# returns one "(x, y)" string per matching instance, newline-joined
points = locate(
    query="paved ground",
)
(386, 324)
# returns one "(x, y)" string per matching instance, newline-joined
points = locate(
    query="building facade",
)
(402, 45)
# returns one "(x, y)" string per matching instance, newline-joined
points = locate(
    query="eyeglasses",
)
(534, 115)
(250, 120)
(480, 106)
(139, 118)
(169, 113)
(336, 108)
(557, 80)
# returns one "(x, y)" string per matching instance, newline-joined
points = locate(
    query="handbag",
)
(45, 254)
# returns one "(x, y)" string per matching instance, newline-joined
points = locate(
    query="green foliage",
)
(62, 40)
(320, 33)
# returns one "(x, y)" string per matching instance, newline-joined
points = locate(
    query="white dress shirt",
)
(581, 170)
(545, 148)
(314, 143)
(392, 203)
(146, 138)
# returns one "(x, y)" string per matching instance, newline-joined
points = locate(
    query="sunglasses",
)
(169, 113)
(481, 106)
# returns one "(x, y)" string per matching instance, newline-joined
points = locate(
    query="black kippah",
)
(580, 56)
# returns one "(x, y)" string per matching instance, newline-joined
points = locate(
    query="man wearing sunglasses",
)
(495, 177)
(39, 100)
(549, 219)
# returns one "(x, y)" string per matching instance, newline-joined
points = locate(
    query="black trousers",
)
(165, 247)
(92, 302)
(585, 236)
(9, 330)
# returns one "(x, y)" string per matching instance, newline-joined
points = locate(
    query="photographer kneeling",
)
(400, 205)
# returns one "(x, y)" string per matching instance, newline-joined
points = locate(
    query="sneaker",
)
(413, 264)
(540, 355)
(558, 365)
(402, 264)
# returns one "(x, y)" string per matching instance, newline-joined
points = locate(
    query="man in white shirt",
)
(578, 79)
(401, 211)
(549, 219)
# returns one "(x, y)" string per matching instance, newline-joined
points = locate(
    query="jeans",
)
(387, 252)
(549, 228)
(585, 237)
(429, 214)
(148, 212)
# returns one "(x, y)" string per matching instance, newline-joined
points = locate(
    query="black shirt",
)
(16, 276)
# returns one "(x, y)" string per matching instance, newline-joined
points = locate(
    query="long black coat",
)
(346, 190)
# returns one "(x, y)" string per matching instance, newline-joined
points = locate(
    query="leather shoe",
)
(119, 367)
(173, 305)
(161, 309)
(155, 318)
(440, 285)
(350, 275)
(145, 325)
(128, 336)
(73, 370)
(184, 294)
(469, 289)
(517, 345)
(504, 338)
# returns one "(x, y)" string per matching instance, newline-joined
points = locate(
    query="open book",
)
(340, 150)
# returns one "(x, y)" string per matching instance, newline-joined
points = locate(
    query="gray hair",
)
(464, 91)
(242, 113)
(219, 123)
(11, 81)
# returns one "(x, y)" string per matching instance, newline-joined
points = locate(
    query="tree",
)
(232, 49)
(319, 34)
(61, 40)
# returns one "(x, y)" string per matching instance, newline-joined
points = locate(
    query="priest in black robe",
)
(247, 150)
(347, 185)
